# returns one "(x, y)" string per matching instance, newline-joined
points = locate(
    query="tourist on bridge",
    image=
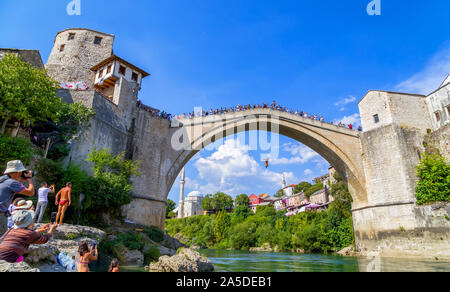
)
(10, 185)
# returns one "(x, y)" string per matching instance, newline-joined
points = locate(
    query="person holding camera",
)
(10, 185)
(42, 201)
(15, 242)
(85, 256)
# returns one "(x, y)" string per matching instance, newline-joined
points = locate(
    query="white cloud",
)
(429, 79)
(354, 119)
(345, 101)
(232, 170)
(308, 172)
(300, 154)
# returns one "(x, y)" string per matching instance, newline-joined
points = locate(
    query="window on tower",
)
(438, 116)
(97, 40)
(61, 48)
(376, 119)
(122, 70)
(134, 77)
(71, 36)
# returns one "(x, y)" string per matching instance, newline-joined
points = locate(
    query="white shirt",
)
(42, 194)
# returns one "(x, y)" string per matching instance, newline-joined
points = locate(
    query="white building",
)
(193, 204)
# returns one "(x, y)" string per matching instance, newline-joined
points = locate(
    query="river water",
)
(243, 261)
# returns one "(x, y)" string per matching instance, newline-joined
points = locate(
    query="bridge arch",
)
(341, 147)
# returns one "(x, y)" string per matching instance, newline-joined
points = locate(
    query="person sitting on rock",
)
(86, 255)
(66, 201)
(16, 241)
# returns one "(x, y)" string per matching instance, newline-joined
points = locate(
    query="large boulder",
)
(22, 267)
(187, 261)
(128, 257)
(42, 252)
(348, 251)
(172, 243)
(72, 232)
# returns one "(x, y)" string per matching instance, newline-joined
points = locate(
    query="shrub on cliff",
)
(14, 149)
(112, 174)
(434, 180)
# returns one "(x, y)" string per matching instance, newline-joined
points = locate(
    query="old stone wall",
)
(151, 146)
(392, 223)
(406, 110)
(107, 129)
(440, 140)
(430, 238)
(31, 56)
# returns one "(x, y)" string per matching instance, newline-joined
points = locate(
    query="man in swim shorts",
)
(66, 201)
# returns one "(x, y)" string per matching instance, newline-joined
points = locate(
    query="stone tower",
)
(75, 51)
(181, 205)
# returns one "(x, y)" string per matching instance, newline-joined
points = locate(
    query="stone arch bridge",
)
(340, 146)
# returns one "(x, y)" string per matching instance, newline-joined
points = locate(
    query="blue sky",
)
(318, 56)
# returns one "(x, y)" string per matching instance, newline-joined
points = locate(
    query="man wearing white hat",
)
(10, 185)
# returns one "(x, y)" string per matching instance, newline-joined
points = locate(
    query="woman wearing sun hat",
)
(15, 242)
(10, 185)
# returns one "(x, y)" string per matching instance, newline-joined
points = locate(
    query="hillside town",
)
(285, 200)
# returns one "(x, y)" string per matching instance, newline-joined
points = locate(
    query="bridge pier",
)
(391, 224)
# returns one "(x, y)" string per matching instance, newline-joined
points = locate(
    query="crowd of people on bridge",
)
(273, 106)
(154, 112)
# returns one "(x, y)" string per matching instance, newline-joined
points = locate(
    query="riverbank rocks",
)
(265, 248)
(39, 253)
(72, 232)
(348, 251)
(183, 240)
(22, 267)
(186, 261)
(128, 257)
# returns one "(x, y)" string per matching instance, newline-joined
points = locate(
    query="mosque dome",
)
(195, 194)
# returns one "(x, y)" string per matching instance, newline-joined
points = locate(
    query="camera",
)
(27, 174)
(53, 217)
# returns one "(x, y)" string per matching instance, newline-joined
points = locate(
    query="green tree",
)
(434, 180)
(221, 201)
(242, 200)
(207, 203)
(302, 187)
(14, 149)
(279, 194)
(70, 118)
(311, 190)
(342, 203)
(221, 226)
(27, 94)
(112, 175)
(171, 205)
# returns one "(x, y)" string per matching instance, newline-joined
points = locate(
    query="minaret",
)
(181, 205)
(283, 182)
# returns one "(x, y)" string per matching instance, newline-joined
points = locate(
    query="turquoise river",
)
(243, 261)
